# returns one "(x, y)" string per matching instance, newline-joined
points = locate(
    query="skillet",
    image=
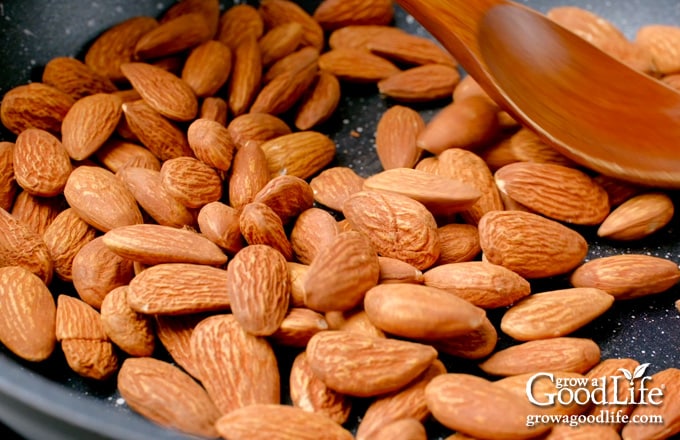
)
(48, 401)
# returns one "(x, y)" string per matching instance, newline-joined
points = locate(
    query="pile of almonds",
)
(173, 177)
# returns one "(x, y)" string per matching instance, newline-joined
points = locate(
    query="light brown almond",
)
(358, 36)
(661, 42)
(298, 327)
(37, 212)
(459, 243)
(91, 358)
(410, 49)
(319, 102)
(395, 137)
(260, 225)
(333, 186)
(278, 12)
(477, 344)
(8, 183)
(192, 182)
(425, 83)
(246, 74)
(313, 230)
(397, 271)
(21, 246)
(174, 332)
(288, 196)
(292, 62)
(300, 154)
(280, 41)
(179, 289)
(240, 22)
(256, 128)
(132, 332)
(116, 153)
(638, 217)
(64, 237)
(668, 409)
(406, 429)
(609, 369)
(207, 68)
(284, 91)
(335, 14)
(526, 146)
(89, 123)
(215, 109)
(355, 321)
(249, 174)
(41, 163)
(75, 78)
(34, 105)
(354, 65)
(174, 35)
(211, 143)
(364, 366)
(220, 224)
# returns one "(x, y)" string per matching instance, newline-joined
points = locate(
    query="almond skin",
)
(421, 84)
(27, 314)
(179, 289)
(333, 186)
(364, 366)
(245, 77)
(117, 153)
(34, 105)
(229, 357)
(420, 312)
(75, 78)
(277, 12)
(531, 245)
(555, 313)
(207, 68)
(319, 103)
(395, 137)
(41, 163)
(627, 276)
(459, 243)
(173, 36)
(638, 217)
(89, 123)
(64, 238)
(174, 332)
(259, 289)
(249, 174)
(288, 196)
(260, 225)
(8, 184)
(163, 91)
(409, 49)
(176, 400)
(668, 409)
(313, 230)
(263, 422)
(280, 41)
(476, 344)
(37, 212)
(341, 273)
(357, 66)
(211, 143)
(192, 182)
(101, 199)
(300, 154)
(22, 246)
(298, 327)
(239, 22)
(220, 224)
(555, 354)
(256, 128)
(155, 244)
(335, 14)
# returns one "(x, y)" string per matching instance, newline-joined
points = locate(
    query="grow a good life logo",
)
(615, 395)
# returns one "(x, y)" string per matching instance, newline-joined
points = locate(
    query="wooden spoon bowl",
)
(589, 106)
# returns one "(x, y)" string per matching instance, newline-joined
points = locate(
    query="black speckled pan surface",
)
(47, 401)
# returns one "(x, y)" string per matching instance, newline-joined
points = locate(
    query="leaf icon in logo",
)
(627, 374)
(640, 371)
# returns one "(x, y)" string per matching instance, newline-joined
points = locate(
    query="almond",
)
(577, 355)
(397, 226)
(64, 237)
(487, 411)
(420, 312)
(476, 344)
(116, 46)
(34, 105)
(310, 394)
(163, 138)
(214, 108)
(237, 369)
(561, 193)
(358, 36)
(37, 212)
(284, 91)
(8, 184)
(27, 314)
(555, 313)
(89, 123)
(210, 9)
(333, 186)
(335, 14)
(617, 190)
(293, 62)
(429, 82)
(354, 321)
(22, 246)
(101, 199)
(173, 36)
(278, 12)
(297, 273)
(280, 41)
(259, 224)
(661, 42)
(207, 68)
(526, 146)
(147, 188)
(483, 284)
(262, 422)
(174, 332)
(627, 276)
(610, 368)
(129, 330)
(162, 90)
(220, 224)
(41, 163)
(408, 403)
(395, 137)
(409, 49)
(668, 380)
(116, 153)
(179, 289)
(75, 78)
(298, 327)
(407, 429)
(440, 195)
(155, 244)
(397, 271)
(256, 128)
(288, 196)
(319, 102)
(532, 246)
(354, 65)
(259, 289)
(459, 243)
(96, 271)
(246, 74)
(364, 366)
(313, 230)
(300, 154)
(249, 174)
(238, 23)
(166, 395)
(211, 143)
(638, 217)
(192, 182)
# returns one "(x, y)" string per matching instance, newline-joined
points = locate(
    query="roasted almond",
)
(260, 225)
(174, 35)
(211, 143)
(64, 238)
(288, 196)
(220, 224)
(240, 22)
(246, 74)
(278, 12)
(313, 230)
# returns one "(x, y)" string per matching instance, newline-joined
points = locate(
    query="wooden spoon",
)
(592, 108)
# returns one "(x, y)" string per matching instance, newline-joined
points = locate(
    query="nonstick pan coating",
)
(47, 401)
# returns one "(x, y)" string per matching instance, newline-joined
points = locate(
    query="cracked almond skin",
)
(559, 192)
(154, 244)
(259, 289)
(27, 314)
(237, 369)
(531, 245)
(365, 366)
(479, 408)
(577, 355)
(397, 226)
(421, 312)
(284, 422)
(407, 403)
(341, 273)
(627, 276)
(554, 313)
(179, 289)
(166, 395)
(482, 284)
